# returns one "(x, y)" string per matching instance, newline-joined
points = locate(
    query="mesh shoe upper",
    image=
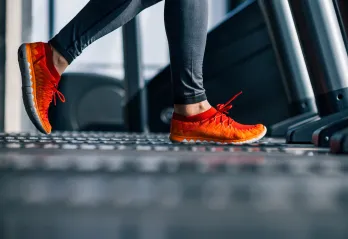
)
(216, 126)
(45, 79)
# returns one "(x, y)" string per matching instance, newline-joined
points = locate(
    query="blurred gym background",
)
(288, 56)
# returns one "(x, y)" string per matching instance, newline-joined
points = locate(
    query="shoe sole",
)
(28, 86)
(183, 139)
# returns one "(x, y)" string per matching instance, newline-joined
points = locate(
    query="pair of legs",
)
(186, 21)
(186, 26)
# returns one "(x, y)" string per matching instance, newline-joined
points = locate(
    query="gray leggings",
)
(186, 26)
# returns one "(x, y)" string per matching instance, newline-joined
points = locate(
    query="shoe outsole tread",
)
(184, 139)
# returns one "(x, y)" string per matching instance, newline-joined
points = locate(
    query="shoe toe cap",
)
(258, 129)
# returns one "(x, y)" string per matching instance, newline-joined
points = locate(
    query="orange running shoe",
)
(40, 81)
(214, 126)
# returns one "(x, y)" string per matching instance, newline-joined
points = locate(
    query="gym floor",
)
(84, 185)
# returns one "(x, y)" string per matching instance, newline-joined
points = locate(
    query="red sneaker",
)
(40, 81)
(214, 126)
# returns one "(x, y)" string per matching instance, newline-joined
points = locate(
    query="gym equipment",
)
(292, 64)
(337, 135)
(136, 111)
(339, 141)
(321, 137)
(125, 141)
(94, 102)
(239, 56)
(2, 62)
(327, 62)
(142, 186)
(341, 8)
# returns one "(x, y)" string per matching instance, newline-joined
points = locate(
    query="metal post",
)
(287, 47)
(2, 62)
(136, 103)
(339, 140)
(327, 61)
(289, 53)
(341, 8)
(326, 57)
(51, 17)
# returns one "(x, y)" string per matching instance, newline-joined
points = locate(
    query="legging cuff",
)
(55, 44)
(190, 99)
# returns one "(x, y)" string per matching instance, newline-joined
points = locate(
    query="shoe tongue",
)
(49, 63)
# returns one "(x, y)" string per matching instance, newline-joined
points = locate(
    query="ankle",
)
(192, 109)
(59, 61)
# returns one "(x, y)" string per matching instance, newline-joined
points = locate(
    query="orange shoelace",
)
(223, 110)
(51, 95)
(56, 93)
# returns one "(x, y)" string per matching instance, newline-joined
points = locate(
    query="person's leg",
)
(193, 118)
(41, 64)
(186, 23)
(95, 20)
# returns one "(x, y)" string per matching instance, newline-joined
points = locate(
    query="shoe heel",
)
(27, 90)
(22, 53)
(24, 66)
